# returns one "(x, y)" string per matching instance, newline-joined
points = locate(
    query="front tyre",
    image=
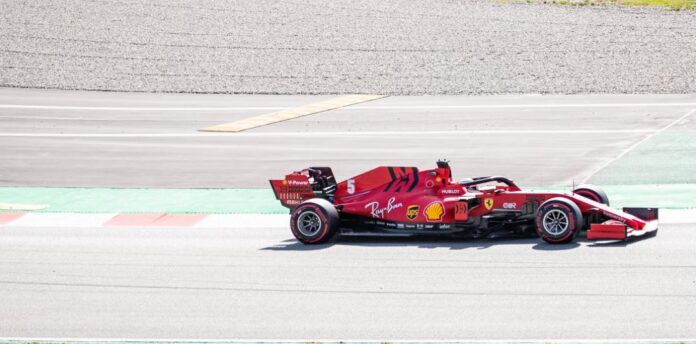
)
(314, 221)
(558, 220)
(592, 192)
(596, 194)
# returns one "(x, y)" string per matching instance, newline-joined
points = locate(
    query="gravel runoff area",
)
(325, 47)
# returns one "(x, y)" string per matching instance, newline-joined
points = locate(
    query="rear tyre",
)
(592, 192)
(558, 221)
(314, 221)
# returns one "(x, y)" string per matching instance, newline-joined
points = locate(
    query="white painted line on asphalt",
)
(126, 108)
(633, 146)
(19, 206)
(61, 220)
(670, 216)
(355, 107)
(67, 340)
(244, 221)
(512, 106)
(296, 112)
(240, 221)
(667, 216)
(339, 133)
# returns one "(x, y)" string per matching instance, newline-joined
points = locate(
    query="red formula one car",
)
(405, 201)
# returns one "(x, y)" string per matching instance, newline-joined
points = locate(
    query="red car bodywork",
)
(404, 200)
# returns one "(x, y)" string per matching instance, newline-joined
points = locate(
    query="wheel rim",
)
(309, 223)
(555, 222)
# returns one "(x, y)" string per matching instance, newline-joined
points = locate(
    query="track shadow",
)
(294, 245)
(582, 240)
(544, 246)
(448, 242)
(622, 243)
(420, 242)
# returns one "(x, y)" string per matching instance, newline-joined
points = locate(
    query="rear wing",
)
(300, 186)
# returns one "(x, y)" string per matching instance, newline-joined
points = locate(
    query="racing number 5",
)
(351, 186)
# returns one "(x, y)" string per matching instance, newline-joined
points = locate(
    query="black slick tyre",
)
(592, 192)
(314, 221)
(558, 220)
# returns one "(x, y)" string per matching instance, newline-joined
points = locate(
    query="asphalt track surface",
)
(258, 282)
(95, 139)
(261, 283)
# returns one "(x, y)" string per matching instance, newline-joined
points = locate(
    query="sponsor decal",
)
(612, 216)
(488, 203)
(410, 226)
(419, 226)
(298, 189)
(292, 201)
(429, 184)
(451, 191)
(391, 224)
(434, 211)
(461, 211)
(412, 212)
(295, 186)
(378, 212)
(429, 226)
(400, 225)
(510, 205)
(289, 195)
(350, 186)
(445, 226)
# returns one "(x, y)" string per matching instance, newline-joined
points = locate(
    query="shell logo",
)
(434, 212)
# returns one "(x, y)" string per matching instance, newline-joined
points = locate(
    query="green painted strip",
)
(670, 196)
(173, 201)
(184, 341)
(668, 158)
(262, 201)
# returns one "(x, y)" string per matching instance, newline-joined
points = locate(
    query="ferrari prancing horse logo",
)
(488, 203)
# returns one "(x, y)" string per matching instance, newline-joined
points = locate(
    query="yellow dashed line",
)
(284, 115)
(10, 206)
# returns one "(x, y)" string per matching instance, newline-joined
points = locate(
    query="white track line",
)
(61, 220)
(67, 340)
(123, 108)
(356, 107)
(336, 133)
(633, 146)
(244, 221)
(512, 106)
(238, 221)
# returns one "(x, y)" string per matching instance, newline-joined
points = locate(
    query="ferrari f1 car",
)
(403, 201)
